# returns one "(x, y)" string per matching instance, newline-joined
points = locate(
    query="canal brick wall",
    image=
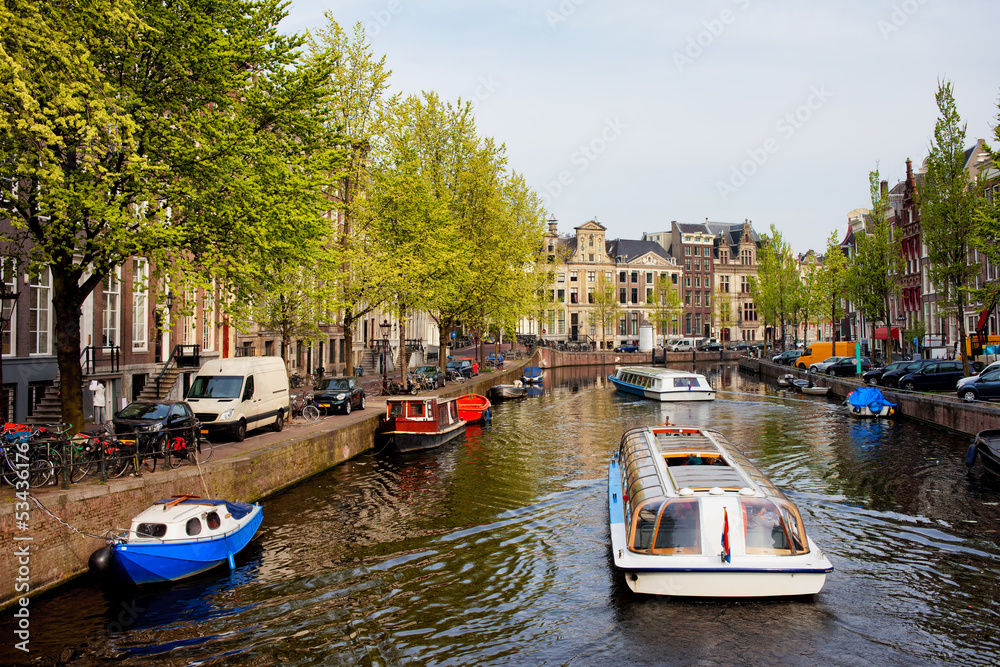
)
(551, 358)
(263, 466)
(947, 411)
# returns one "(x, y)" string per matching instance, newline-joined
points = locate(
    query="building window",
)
(635, 295)
(674, 278)
(8, 274)
(591, 275)
(621, 276)
(749, 313)
(724, 284)
(562, 322)
(591, 257)
(635, 324)
(697, 252)
(649, 278)
(687, 264)
(621, 295)
(607, 276)
(687, 281)
(590, 295)
(572, 276)
(697, 299)
(697, 265)
(745, 284)
(40, 288)
(687, 324)
(697, 281)
(112, 293)
(697, 323)
(723, 257)
(621, 327)
(561, 296)
(708, 282)
(687, 298)
(746, 257)
(687, 250)
(573, 298)
(649, 295)
(140, 302)
(708, 300)
(635, 276)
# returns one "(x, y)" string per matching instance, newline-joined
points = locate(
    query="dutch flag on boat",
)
(725, 536)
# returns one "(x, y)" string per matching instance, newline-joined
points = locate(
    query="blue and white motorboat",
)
(869, 402)
(177, 538)
(662, 384)
(532, 375)
(690, 515)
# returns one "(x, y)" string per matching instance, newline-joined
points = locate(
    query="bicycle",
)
(197, 450)
(302, 406)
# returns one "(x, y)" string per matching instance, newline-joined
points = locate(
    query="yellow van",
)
(823, 350)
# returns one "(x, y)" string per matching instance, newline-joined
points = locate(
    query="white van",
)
(231, 396)
(682, 344)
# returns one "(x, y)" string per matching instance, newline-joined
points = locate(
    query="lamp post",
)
(8, 300)
(385, 328)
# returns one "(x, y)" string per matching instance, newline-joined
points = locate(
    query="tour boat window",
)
(764, 531)
(644, 525)
(193, 526)
(151, 529)
(793, 526)
(679, 529)
(415, 410)
(396, 410)
(683, 382)
(213, 520)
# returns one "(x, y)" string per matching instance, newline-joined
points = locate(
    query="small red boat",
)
(474, 408)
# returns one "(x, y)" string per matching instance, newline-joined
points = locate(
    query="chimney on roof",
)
(553, 226)
(885, 188)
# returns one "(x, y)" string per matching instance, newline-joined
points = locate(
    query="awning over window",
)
(880, 333)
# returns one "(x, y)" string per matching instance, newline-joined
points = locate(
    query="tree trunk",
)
(403, 361)
(962, 331)
(442, 346)
(67, 298)
(349, 342)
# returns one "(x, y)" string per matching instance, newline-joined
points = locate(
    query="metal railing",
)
(100, 358)
(185, 356)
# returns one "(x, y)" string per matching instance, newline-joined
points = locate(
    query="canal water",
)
(494, 550)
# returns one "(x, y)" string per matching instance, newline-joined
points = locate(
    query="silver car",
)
(821, 366)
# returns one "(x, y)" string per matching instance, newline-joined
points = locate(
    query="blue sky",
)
(640, 113)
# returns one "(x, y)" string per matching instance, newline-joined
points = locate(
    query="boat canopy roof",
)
(238, 510)
(869, 397)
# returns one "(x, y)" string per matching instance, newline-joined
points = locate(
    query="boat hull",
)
(697, 575)
(473, 408)
(664, 396)
(988, 450)
(503, 392)
(409, 441)
(152, 563)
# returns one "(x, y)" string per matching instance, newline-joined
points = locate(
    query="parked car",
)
(849, 366)
(740, 346)
(461, 366)
(473, 362)
(152, 424)
(891, 378)
(681, 345)
(628, 347)
(341, 393)
(873, 376)
(935, 375)
(431, 373)
(786, 358)
(821, 366)
(711, 347)
(980, 387)
(965, 380)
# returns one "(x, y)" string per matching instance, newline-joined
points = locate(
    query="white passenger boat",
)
(662, 384)
(691, 516)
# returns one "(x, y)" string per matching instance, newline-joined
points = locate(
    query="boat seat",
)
(702, 476)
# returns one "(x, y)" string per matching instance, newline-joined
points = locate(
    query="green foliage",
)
(873, 278)
(606, 309)
(948, 212)
(776, 285)
(831, 279)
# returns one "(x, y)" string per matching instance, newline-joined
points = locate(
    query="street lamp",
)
(8, 300)
(385, 328)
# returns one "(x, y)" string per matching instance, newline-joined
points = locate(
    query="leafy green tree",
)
(948, 213)
(811, 294)
(987, 237)
(361, 111)
(832, 277)
(184, 133)
(873, 279)
(775, 285)
(606, 309)
(724, 314)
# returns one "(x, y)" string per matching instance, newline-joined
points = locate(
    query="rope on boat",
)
(46, 510)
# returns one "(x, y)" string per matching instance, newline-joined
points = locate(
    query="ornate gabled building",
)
(735, 266)
(580, 261)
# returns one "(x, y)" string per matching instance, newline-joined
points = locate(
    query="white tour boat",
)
(662, 384)
(691, 516)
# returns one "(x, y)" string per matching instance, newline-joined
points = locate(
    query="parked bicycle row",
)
(47, 455)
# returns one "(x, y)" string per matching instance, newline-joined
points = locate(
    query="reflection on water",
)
(493, 549)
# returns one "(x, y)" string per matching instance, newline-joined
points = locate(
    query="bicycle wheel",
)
(40, 471)
(82, 467)
(310, 413)
(118, 463)
(174, 457)
(205, 450)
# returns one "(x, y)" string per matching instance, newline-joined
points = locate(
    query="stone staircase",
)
(149, 392)
(369, 362)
